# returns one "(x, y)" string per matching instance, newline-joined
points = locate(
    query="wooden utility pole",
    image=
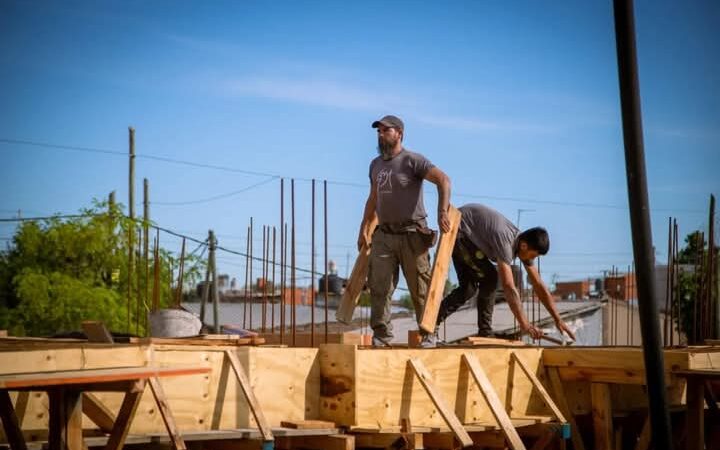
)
(131, 226)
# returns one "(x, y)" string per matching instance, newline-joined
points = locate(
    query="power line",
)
(217, 197)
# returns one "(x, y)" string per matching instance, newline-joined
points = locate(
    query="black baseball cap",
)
(390, 122)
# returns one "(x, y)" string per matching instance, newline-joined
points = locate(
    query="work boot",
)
(429, 340)
(380, 341)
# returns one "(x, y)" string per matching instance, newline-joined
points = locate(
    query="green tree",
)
(58, 272)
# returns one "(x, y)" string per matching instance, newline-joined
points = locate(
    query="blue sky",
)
(516, 101)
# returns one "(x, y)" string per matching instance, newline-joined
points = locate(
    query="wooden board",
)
(372, 388)
(91, 376)
(308, 424)
(439, 272)
(448, 415)
(356, 282)
(602, 415)
(250, 396)
(229, 340)
(96, 331)
(303, 339)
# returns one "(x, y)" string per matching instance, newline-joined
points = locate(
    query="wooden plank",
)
(605, 375)
(494, 402)
(303, 339)
(98, 412)
(629, 358)
(563, 405)
(356, 282)
(89, 376)
(643, 442)
(255, 340)
(540, 388)
(166, 414)
(330, 442)
(249, 396)
(602, 415)
(479, 340)
(119, 433)
(450, 418)
(96, 331)
(308, 424)
(10, 422)
(439, 272)
(65, 427)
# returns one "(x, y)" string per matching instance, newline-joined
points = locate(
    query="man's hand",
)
(362, 241)
(444, 221)
(531, 329)
(563, 327)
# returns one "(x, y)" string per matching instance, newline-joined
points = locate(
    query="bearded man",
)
(399, 240)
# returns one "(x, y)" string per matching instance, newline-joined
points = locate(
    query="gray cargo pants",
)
(387, 254)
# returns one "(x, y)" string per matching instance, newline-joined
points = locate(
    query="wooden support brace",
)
(439, 272)
(493, 401)
(450, 418)
(65, 427)
(96, 332)
(356, 282)
(250, 396)
(97, 412)
(544, 440)
(540, 388)
(602, 415)
(166, 414)
(562, 403)
(125, 416)
(13, 433)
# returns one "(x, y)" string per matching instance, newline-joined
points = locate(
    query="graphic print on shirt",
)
(383, 182)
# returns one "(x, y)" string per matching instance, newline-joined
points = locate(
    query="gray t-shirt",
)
(491, 232)
(399, 187)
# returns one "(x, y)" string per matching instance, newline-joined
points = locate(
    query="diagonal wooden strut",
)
(450, 418)
(263, 425)
(493, 401)
(540, 388)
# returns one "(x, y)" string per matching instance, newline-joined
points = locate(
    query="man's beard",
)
(385, 148)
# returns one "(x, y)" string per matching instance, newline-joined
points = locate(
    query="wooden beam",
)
(10, 422)
(65, 427)
(448, 415)
(166, 414)
(356, 282)
(540, 388)
(617, 375)
(643, 442)
(493, 402)
(249, 396)
(439, 272)
(602, 415)
(330, 442)
(125, 416)
(96, 411)
(562, 403)
(308, 424)
(96, 331)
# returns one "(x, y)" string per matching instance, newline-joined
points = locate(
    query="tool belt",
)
(427, 235)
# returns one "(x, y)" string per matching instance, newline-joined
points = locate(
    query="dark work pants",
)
(480, 283)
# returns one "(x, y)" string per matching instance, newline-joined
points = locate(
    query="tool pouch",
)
(428, 236)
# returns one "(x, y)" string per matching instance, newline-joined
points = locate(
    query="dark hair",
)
(537, 239)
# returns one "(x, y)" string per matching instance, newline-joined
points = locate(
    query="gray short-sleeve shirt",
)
(398, 182)
(491, 232)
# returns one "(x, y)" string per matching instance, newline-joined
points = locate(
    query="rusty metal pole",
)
(247, 271)
(263, 275)
(668, 317)
(178, 294)
(293, 283)
(252, 289)
(272, 302)
(131, 214)
(282, 260)
(326, 287)
(312, 267)
(146, 236)
(640, 223)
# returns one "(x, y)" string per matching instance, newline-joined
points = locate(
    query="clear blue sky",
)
(516, 101)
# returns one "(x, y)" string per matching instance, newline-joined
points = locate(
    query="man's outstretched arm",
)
(442, 181)
(546, 298)
(513, 300)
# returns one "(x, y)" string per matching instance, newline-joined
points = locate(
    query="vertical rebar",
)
(247, 274)
(252, 285)
(131, 214)
(676, 284)
(712, 294)
(632, 309)
(146, 241)
(215, 296)
(667, 323)
(282, 260)
(285, 281)
(156, 273)
(178, 294)
(272, 302)
(264, 278)
(696, 313)
(293, 283)
(639, 208)
(326, 287)
(312, 267)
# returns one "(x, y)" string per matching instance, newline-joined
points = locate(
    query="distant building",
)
(572, 290)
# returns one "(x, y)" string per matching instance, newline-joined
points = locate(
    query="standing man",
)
(396, 197)
(486, 237)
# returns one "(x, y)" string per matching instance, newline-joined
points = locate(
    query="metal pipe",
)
(640, 223)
